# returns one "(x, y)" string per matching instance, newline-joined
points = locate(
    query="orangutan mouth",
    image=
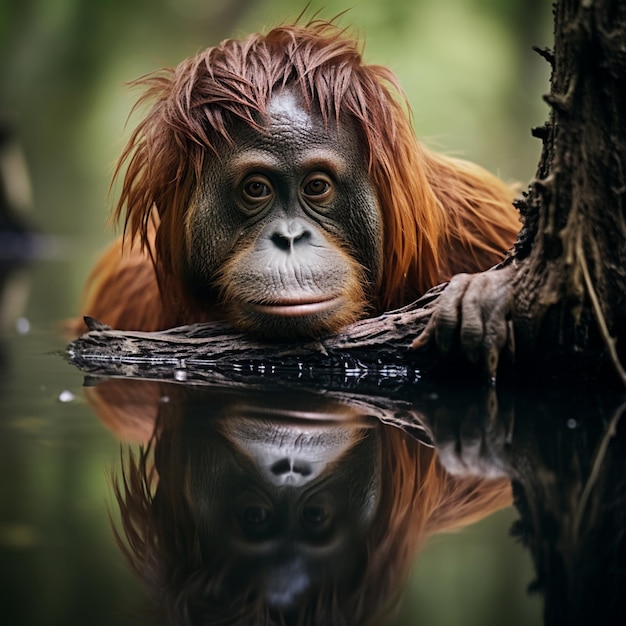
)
(297, 307)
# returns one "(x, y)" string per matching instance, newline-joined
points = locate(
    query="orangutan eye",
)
(256, 189)
(316, 516)
(255, 515)
(318, 188)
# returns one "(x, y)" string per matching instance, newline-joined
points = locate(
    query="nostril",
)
(286, 466)
(282, 242)
(285, 236)
(281, 467)
(302, 468)
(305, 235)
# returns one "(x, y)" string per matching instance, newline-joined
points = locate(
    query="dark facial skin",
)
(289, 499)
(286, 226)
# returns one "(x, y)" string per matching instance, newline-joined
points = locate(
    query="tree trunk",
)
(570, 282)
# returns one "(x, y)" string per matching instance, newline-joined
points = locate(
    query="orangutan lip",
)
(298, 307)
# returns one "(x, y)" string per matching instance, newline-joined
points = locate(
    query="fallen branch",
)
(380, 345)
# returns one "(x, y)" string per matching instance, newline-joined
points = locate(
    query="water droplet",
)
(22, 325)
(180, 375)
(66, 396)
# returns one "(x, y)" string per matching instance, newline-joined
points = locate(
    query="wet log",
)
(378, 345)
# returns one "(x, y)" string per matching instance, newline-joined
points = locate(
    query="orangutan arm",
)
(123, 291)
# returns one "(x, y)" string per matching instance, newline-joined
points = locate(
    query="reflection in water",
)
(16, 238)
(258, 507)
(565, 453)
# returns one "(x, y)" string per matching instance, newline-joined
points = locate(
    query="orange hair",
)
(440, 215)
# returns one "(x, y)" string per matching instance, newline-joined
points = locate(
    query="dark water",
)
(270, 498)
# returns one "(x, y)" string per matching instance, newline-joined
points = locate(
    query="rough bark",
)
(570, 282)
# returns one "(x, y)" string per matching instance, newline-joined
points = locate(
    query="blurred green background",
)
(475, 87)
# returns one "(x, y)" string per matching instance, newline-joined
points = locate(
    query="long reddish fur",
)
(441, 215)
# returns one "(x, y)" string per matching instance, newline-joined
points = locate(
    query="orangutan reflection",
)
(279, 508)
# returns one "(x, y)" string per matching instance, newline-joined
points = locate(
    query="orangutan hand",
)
(472, 432)
(473, 313)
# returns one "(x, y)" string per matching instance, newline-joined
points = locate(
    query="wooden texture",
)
(379, 346)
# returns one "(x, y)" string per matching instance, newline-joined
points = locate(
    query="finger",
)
(426, 336)
(472, 325)
(497, 331)
(448, 317)
(443, 323)
(510, 344)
